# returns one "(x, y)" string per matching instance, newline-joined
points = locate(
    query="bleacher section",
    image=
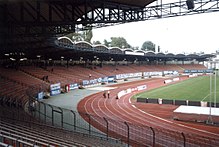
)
(15, 82)
(29, 132)
(75, 73)
(193, 66)
(12, 93)
(41, 74)
(19, 77)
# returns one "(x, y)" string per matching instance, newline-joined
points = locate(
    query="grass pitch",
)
(194, 89)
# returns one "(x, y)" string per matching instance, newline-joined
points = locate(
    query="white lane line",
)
(130, 101)
(176, 123)
(205, 97)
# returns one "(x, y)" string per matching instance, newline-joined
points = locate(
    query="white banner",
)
(128, 75)
(155, 73)
(129, 90)
(55, 88)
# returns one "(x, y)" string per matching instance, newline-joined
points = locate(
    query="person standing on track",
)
(104, 94)
(108, 93)
(117, 96)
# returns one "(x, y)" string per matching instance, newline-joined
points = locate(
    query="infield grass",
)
(195, 89)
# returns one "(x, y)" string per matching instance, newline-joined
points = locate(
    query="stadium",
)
(58, 92)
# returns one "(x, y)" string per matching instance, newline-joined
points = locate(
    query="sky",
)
(182, 34)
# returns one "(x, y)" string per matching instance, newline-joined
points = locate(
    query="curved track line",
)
(136, 114)
(123, 110)
(202, 131)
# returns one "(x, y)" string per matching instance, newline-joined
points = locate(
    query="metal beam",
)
(57, 18)
(157, 11)
(36, 19)
(180, 9)
(40, 18)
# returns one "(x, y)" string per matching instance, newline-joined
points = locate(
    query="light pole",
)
(215, 87)
(210, 117)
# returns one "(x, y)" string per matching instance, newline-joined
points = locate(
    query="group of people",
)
(108, 94)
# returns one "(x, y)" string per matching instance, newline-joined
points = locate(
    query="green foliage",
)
(135, 48)
(77, 37)
(158, 49)
(106, 43)
(148, 46)
(119, 42)
(195, 89)
(81, 36)
(87, 34)
(96, 42)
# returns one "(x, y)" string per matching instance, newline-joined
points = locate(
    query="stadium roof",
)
(139, 3)
(36, 21)
(75, 50)
(29, 29)
(66, 49)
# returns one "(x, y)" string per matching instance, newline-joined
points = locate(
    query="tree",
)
(106, 43)
(116, 42)
(158, 49)
(148, 46)
(82, 36)
(119, 42)
(76, 37)
(87, 34)
(96, 42)
(135, 47)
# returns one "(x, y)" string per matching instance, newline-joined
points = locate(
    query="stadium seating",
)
(192, 66)
(19, 77)
(15, 82)
(13, 93)
(41, 73)
(30, 132)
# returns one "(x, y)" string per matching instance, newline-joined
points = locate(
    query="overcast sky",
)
(189, 34)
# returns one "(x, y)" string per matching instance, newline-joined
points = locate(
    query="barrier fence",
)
(191, 117)
(132, 134)
(176, 102)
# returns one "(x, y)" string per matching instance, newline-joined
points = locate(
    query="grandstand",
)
(37, 65)
(28, 82)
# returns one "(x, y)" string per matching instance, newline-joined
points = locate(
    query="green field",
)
(195, 89)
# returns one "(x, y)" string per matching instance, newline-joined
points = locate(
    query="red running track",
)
(168, 132)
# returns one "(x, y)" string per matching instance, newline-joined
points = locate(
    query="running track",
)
(123, 110)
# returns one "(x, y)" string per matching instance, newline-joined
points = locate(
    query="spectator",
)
(47, 78)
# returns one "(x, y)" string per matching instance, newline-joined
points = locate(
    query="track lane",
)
(122, 109)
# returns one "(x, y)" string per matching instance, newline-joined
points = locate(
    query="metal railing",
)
(110, 129)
